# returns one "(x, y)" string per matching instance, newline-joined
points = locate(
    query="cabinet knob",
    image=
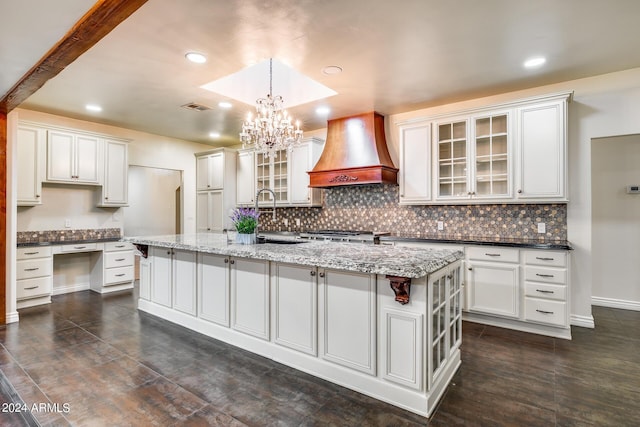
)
(321, 274)
(312, 273)
(470, 269)
(106, 198)
(226, 260)
(232, 262)
(519, 191)
(37, 195)
(468, 193)
(168, 252)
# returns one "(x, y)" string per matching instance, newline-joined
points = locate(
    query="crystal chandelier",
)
(271, 130)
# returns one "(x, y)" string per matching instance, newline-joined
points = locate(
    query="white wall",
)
(616, 221)
(603, 106)
(144, 150)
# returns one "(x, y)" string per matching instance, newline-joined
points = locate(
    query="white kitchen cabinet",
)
(493, 280)
(210, 211)
(347, 307)
(174, 279)
(116, 170)
(34, 276)
(246, 178)
(31, 150)
(295, 307)
(145, 278)
(301, 160)
(72, 158)
(546, 279)
(286, 174)
(214, 288)
(415, 163)
(451, 159)
(216, 176)
(250, 297)
(112, 267)
(542, 151)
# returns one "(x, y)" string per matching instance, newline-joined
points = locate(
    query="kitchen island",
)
(384, 321)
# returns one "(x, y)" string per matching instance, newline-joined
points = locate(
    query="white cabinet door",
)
(115, 182)
(145, 278)
(494, 288)
(202, 211)
(347, 306)
(30, 148)
(299, 182)
(216, 171)
(72, 158)
(184, 281)
(161, 273)
(213, 288)
(246, 178)
(294, 303)
(202, 173)
(542, 151)
(415, 163)
(216, 210)
(250, 296)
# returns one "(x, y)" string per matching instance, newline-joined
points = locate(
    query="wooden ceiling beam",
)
(103, 17)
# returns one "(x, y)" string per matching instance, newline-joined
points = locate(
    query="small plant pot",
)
(246, 239)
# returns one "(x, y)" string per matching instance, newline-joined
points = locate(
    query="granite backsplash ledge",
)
(60, 236)
(376, 208)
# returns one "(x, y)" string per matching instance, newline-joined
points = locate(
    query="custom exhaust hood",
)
(355, 153)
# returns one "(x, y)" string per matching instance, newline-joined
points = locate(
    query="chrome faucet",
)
(274, 204)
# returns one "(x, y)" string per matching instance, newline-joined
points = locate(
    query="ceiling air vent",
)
(195, 107)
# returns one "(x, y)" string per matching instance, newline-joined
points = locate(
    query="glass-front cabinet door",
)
(491, 153)
(452, 158)
(263, 177)
(272, 174)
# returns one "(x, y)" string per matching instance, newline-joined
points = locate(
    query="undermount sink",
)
(262, 239)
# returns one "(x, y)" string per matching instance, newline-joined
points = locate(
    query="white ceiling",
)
(396, 55)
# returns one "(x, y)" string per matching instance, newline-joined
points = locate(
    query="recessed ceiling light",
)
(323, 111)
(214, 135)
(538, 61)
(330, 70)
(224, 104)
(93, 107)
(196, 57)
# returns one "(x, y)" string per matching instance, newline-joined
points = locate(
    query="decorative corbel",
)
(401, 286)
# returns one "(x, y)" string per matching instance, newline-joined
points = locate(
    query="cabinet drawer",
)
(545, 290)
(30, 268)
(491, 253)
(79, 247)
(33, 252)
(118, 275)
(31, 288)
(546, 275)
(118, 259)
(117, 246)
(545, 311)
(552, 259)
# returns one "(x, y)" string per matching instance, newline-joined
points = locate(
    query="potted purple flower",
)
(245, 221)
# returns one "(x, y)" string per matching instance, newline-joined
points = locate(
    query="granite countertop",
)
(68, 242)
(374, 259)
(476, 240)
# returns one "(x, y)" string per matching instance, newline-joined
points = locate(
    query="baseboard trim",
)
(616, 303)
(72, 288)
(12, 317)
(582, 321)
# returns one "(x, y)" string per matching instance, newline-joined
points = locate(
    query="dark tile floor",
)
(114, 366)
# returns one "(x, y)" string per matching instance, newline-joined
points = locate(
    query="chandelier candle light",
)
(271, 130)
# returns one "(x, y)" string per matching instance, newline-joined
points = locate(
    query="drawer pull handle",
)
(487, 254)
(31, 253)
(544, 275)
(544, 312)
(545, 291)
(32, 269)
(119, 246)
(543, 258)
(120, 259)
(120, 275)
(30, 288)
(79, 247)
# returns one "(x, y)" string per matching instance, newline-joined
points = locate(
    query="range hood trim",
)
(349, 140)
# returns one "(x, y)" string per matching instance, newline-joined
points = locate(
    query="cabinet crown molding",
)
(99, 135)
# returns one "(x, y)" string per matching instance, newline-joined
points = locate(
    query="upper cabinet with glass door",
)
(491, 154)
(272, 173)
(453, 159)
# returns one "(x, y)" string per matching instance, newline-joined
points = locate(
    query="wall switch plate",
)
(542, 228)
(440, 225)
(297, 222)
(67, 223)
(285, 221)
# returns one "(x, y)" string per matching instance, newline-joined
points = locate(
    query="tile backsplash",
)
(376, 208)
